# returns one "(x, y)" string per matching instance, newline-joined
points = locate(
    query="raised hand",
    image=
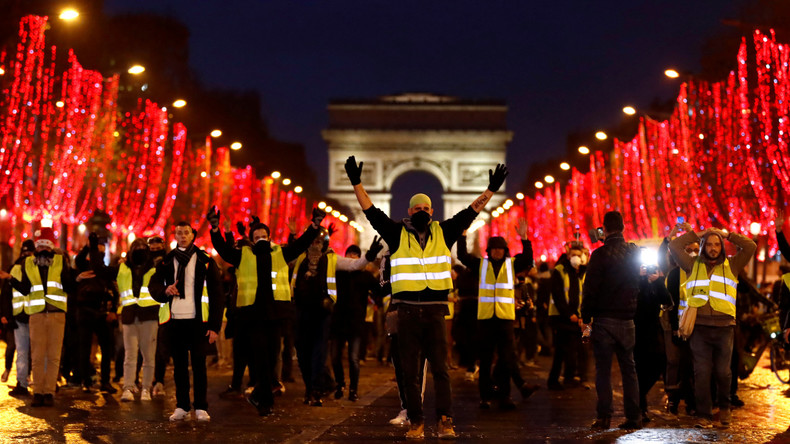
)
(354, 171)
(241, 229)
(521, 228)
(331, 229)
(292, 225)
(375, 248)
(213, 217)
(497, 177)
(318, 217)
(255, 221)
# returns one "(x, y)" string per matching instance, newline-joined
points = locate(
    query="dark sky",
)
(559, 65)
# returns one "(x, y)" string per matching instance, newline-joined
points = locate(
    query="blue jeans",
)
(615, 337)
(338, 344)
(22, 341)
(711, 349)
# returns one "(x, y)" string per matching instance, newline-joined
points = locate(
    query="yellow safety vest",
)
(19, 301)
(566, 279)
(786, 280)
(54, 293)
(247, 277)
(415, 269)
(496, 296)
(164, 309)
(331, 273)
(720, 289)
(127, 294)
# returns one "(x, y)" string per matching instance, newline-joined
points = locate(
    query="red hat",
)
(44, 237)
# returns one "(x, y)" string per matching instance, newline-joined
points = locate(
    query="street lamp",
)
(538, 184)
(216, 133)
(286, 181)
(321, 205)
(630, 110)
(275, 174)
(520, 196)
(180, 103)
(235, 146)
(69, 14)
(600, 135)
(297, 189)
(565, 166)
(671, 73)
(548, 179)
(584, 150)
(136, 69)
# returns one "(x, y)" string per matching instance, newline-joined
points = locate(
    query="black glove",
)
(353, 171)
(241, 229)
(497, 177)
(318, 216)
(375, 247)
(255, 221)
(93, 241)
(331, 230)
(677, 340)
(213, 217)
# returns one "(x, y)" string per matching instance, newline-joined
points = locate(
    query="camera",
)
(596, 234)
(651, 269)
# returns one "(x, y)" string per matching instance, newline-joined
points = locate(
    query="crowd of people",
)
(492, 314)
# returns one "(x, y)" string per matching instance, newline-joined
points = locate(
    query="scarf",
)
(183, 258)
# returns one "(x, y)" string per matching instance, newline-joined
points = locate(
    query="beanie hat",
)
(28, 246)
(45, 237)
(418, 199)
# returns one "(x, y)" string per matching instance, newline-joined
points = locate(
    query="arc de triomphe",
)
(455, 140)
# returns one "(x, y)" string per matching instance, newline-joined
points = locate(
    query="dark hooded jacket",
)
(611, 283)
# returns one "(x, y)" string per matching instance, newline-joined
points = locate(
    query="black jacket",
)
(205, 270)
(611, 284)
(7, 303)
(570, 306)
(99, 293)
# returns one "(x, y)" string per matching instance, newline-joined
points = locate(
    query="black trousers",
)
(287, 335)
(188, 342)
(567, 339)
(10, 347)
(162, 354)
(242, 354)
(496, 335)
(312, 345)
(650, 365)
(264, 347)
(90, 322)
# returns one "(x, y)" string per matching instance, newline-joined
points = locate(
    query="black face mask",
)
(420, 220)
(157, 254)
(45, 254)
(139, 257)
(262, 246)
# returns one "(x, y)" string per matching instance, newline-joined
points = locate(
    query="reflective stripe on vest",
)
(164, 309)
(495, 293)
(331, 273)
(127, 293)
(19, 301)
(566, 279)
(720, 289)
(54, 292)
(415, 269)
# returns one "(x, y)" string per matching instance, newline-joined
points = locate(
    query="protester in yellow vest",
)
(263, 300)
(46, 281)
(314, 285)
(711, 289)
(496, 315)
(564, 316)
(14, 317)
(420, 279)
(188, 281)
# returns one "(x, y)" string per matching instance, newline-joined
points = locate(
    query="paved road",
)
(548, 416)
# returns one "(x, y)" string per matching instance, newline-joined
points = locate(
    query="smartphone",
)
(681, 220)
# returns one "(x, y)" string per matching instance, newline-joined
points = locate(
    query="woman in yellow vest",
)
(496, 315)
(711, 288)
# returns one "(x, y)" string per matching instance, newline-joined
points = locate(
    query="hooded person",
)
(496, 313)
(46, 280)
(711, 289)
(14, 317)
(421, 279)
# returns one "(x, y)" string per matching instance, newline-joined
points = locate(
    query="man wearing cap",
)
(14, 314)
(263, 297)
(46, 280)
(496, 313)
(421, 280)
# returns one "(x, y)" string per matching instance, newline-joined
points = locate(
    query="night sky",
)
(560, 66)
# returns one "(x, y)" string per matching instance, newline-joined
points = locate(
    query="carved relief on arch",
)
(439, 169)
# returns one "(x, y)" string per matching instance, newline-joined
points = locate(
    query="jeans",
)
(421, 332)
(615, 337)
(139, 336)
(46, 342)
(496, 335)
(711, 349)
(10, 347)
(22, 341)
(188, 340)
(338, 344)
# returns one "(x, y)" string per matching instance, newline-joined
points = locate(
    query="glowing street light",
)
(565, 166)
(2, 71)
(286, 181)
(336, 213)
(755, 228)
(136, 69)
(520, 196)
(584, 150)
(297, 189)
(671, 73)
(538, 184)
(321, 205)
(549, 179)
(235, 146)
(328, 208)
(180, 103)
(216, 133)
(69, 14)
(275, 174)
(59, 104)
(600, 135)
(630, 110)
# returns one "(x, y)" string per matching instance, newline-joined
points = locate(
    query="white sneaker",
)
(145, 395)
(202, 415)
(179, 414)
(127, 396)
(400, 419)
(159, 389)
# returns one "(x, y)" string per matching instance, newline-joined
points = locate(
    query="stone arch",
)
(416, 164)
